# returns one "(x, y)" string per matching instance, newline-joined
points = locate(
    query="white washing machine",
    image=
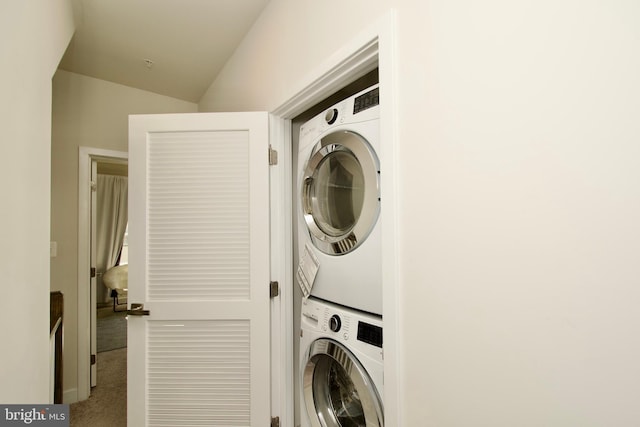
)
(339, 204)
(341, 367)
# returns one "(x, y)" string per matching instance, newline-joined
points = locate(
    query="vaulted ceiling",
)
(170, 47)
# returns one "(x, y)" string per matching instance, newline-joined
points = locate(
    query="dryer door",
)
(337, 390)
(341, 192)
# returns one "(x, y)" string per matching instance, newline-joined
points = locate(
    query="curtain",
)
(111, 222)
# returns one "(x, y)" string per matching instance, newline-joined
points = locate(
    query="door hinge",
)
(94, 186)
(273, 156)
(92, 272)
(275, 421)
(274, 289)
(93, 359)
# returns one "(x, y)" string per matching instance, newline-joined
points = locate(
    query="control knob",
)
(331, 116)
(335, 323)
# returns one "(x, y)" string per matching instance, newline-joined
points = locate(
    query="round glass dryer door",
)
(341, 192)
(337, 390)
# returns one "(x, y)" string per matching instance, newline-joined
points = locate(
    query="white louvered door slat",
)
(198, 215)
(199, 372)
(199, 262)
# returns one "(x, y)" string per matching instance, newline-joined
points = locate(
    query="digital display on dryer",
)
(366, 100)
(370, 334)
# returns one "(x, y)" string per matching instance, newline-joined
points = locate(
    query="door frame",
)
(85, 156)
(374, 47)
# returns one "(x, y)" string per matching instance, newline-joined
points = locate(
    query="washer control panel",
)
(371, 334)
(360, 332)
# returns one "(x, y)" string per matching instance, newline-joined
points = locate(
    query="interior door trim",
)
(85, 156)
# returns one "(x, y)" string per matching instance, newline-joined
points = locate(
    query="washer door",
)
(337, 390)
(341, 192)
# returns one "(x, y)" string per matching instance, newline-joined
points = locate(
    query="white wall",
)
(524, 293)
(518, 197)
(34, 35)
(93, 113)
(284, 45)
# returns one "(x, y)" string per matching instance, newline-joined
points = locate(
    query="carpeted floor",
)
(111, 329)
(107, 405)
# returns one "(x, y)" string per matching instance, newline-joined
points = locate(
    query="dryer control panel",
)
(366, 100)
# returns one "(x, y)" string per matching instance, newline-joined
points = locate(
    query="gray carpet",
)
(111, 329)
(107, 405)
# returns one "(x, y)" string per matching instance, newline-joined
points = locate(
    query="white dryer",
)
(339, 202)
(341, 367)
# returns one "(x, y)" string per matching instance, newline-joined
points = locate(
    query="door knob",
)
(137, 310)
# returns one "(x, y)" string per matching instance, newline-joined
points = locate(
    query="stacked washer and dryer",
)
(339, 272)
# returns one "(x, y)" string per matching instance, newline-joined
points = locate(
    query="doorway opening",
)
(350, 88)
(109, 257)
(93, 297)
(370, 52)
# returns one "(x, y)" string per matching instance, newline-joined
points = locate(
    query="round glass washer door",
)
(341, 192)
(337, 390)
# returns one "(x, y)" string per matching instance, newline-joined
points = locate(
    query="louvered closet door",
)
(199, 262)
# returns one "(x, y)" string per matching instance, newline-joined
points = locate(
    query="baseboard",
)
(70, 396)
